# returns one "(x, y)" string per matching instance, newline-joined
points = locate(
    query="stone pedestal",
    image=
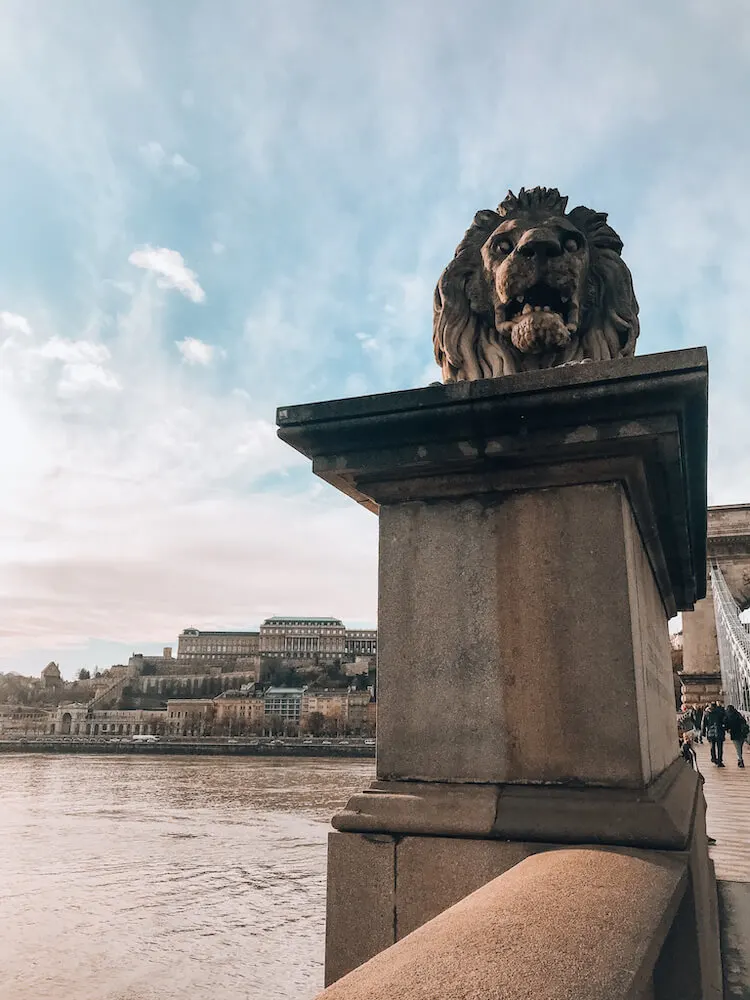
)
(700, 649)
(700, 677)
(536, 533)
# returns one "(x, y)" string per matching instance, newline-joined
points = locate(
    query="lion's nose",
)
(539, 243)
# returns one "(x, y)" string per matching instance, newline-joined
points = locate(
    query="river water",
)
(157, 878)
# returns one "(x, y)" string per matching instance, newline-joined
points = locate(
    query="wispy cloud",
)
(368, 343)
(13, 323)
(78, 378)
(196, 352)
(155, 156)
(74, 351)
(342, 154)
(171, 270)
(83, 365)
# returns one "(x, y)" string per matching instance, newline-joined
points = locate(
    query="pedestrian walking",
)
(738, 729)
(713, 727)
(697, 716)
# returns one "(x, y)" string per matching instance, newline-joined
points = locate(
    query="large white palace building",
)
(288, 637)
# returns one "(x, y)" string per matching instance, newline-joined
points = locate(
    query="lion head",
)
(533, 286)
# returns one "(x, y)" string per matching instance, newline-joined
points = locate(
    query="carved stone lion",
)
(532, 286)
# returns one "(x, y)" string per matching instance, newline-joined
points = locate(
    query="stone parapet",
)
(381, 886)
(514, 937)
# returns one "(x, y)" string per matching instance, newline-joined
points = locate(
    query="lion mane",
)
(533, 286)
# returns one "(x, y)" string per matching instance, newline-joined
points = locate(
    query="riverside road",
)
(217, 747)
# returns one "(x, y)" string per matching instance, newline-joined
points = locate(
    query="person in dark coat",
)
(713, 728)
(697, 716)
(738, 730)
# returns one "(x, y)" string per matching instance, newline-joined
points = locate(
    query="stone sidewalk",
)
(727, 792)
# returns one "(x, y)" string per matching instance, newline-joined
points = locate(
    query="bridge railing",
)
(579, 923)
(734, 644)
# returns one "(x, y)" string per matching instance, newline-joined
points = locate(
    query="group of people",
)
(713, 723)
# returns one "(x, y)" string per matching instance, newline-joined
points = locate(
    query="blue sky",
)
(209, 210)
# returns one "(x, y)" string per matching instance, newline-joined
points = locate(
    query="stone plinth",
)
(506, 614)
(536, 533)
(700, 650)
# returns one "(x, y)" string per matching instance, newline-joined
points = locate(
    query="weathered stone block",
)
(571, 923)
(700, 645)
(503, 616)
(436, 872)
(360, 902)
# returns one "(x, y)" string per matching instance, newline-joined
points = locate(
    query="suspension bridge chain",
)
(734, 643)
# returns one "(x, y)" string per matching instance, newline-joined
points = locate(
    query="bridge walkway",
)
(727, 792)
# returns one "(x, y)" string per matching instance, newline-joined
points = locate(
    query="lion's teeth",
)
(547, 309)
(527, 309)
(537, 309)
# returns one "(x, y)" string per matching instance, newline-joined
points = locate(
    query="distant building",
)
(120, 670)
(306, 638)
(239, 711)
(83, 720)
(329, 703)
(294, 638)
(371, 716)
(297, 637)
(23, 720)
(357, 710)
(346, 707)
(144, 662)
(284, 702)
(189, 716)
(361, 642)
(358, 666)
(214, 646)
(51, 677)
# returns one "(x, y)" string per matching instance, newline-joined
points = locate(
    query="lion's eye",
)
(571, 246)
(503, 246)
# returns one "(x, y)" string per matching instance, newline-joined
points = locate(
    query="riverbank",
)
(202, 746)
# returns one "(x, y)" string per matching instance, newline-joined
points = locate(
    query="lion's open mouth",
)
(543, 298)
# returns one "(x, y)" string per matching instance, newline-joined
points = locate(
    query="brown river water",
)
(157, 878)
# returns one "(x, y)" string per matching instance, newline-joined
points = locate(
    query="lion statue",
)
(531, 286)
